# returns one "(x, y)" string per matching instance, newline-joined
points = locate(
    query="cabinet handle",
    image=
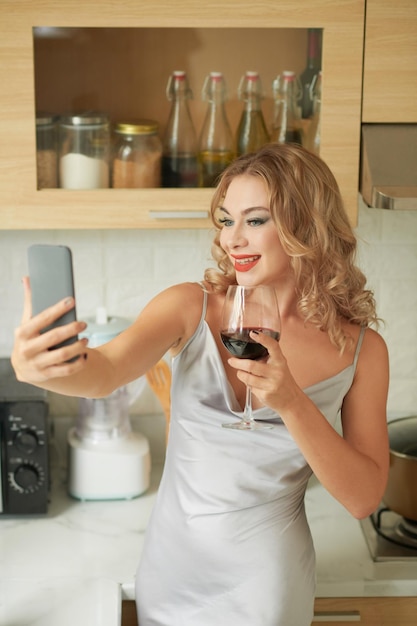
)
(339, 616)
(178, 215)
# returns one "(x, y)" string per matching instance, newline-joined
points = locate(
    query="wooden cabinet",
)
(339, 612)
(128, 612)
(390, 62)
(190, 35)
(366, 611)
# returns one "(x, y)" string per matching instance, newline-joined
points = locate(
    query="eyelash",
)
(254, 221)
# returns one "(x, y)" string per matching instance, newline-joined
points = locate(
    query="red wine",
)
(240, 344)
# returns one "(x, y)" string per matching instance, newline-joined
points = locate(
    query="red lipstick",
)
(245, 262)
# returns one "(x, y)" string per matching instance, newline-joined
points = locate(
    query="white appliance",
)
(106, 459)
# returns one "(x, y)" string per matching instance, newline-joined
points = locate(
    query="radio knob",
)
(26, 441)
(26, 476)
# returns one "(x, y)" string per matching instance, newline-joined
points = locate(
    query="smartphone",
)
(51, 279)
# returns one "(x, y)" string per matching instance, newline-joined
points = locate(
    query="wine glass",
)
(246, 309)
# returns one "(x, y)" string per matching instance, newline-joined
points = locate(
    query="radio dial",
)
(26, 476)
(26, 441)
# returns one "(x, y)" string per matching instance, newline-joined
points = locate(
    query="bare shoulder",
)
(364, 406)
(374, 346)
(373, 361)
(182, 295)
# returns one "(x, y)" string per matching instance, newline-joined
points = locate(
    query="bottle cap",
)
(250, 85)
(138, 127)
(178, 82)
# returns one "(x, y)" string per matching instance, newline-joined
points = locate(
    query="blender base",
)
(108, 470)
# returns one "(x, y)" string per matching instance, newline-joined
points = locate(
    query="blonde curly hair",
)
(315, 232)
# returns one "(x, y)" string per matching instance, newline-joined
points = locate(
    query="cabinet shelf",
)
(273, 35)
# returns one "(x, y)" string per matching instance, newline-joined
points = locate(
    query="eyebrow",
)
(246, 211)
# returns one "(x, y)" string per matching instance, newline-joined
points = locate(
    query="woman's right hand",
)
(33, 357)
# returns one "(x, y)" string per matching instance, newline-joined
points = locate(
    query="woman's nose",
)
(236, 237)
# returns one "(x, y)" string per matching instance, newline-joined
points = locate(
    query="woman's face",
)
(249, 235)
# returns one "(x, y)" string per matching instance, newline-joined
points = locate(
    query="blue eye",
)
(257, 221)
(224, 221)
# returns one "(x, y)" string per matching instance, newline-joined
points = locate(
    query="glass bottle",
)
(314, 131)
(216, 139)
(179, 158)
(252, 132)
(310, 72)
(137, 155)
(286, 126)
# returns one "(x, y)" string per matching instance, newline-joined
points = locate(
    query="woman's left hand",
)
(270, 378)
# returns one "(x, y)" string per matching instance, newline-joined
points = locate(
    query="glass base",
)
(248, 425)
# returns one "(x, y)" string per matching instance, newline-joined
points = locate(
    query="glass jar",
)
(137, 154)
(84, 147)
(46, 151)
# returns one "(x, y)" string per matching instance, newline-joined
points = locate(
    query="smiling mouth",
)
(244, 264)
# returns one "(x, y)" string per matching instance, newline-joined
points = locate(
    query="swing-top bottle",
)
(216, 149)
(179, 157)
(286, 126)
(252, 132)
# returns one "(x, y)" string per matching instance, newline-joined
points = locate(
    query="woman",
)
(228, 542)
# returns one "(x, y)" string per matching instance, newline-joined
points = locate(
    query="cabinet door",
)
(390, 65)
(23, 206)
(366, 611)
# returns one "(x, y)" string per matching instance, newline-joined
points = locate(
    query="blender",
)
(106, 459)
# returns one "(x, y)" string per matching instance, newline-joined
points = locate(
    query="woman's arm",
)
(166, 321)
(353, 468)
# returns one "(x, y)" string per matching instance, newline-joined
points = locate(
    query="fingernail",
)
(69, 302)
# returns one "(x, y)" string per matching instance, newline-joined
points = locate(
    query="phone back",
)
(51, 278)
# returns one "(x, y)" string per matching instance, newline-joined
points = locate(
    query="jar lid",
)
(88, 118)
(45, 119)
(138, 127)
(102, 328)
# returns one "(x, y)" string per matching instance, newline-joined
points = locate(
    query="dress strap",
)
(358, 346)
(205, 297)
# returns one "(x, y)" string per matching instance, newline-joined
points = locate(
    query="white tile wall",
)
(388, 256)
(122, 270)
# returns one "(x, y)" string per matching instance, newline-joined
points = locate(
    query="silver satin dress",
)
(228, 543)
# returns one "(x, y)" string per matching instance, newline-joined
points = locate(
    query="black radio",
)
(24, 458)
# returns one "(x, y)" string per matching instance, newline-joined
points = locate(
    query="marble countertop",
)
(79, 561)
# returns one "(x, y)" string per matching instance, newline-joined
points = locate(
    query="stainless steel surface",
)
(394, 198)
(389, 166)
(386, 546)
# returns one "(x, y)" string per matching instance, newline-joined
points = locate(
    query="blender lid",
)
(102, 328)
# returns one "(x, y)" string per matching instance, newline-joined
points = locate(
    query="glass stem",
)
(247, 416)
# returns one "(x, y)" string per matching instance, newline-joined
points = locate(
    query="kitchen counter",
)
(78, 561)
